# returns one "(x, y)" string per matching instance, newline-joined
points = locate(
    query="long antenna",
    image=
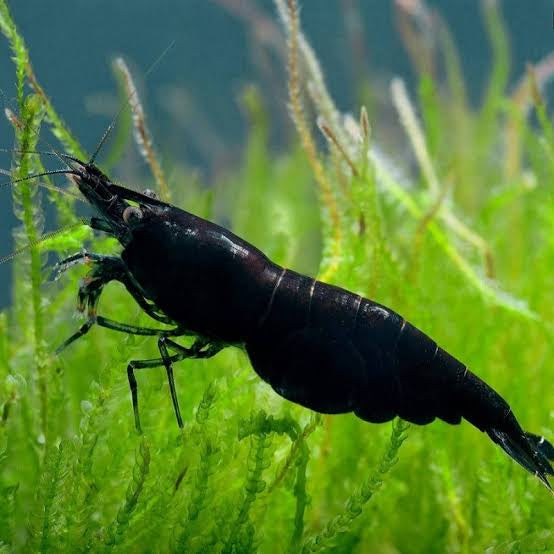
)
(42, 238)
(40, 152)
(126, 105)
(41, 174)
(15, 121)
(45, 186)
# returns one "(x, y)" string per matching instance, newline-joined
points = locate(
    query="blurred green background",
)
(444, 212)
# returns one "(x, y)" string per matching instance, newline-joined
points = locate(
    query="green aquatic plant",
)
(463, 248)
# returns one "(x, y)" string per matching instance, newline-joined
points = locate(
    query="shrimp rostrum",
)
(316, 344)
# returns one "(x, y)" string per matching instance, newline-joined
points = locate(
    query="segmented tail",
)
(531, 451)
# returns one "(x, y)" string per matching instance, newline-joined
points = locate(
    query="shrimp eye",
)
(150, 193)
(132, 214)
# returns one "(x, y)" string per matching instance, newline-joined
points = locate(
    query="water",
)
(191, 96)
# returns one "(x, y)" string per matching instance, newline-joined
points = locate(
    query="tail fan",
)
(531, 451)
(543, 445)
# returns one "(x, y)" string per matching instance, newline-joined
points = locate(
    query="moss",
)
(251, 471)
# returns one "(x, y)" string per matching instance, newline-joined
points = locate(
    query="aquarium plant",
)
(459, 241)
